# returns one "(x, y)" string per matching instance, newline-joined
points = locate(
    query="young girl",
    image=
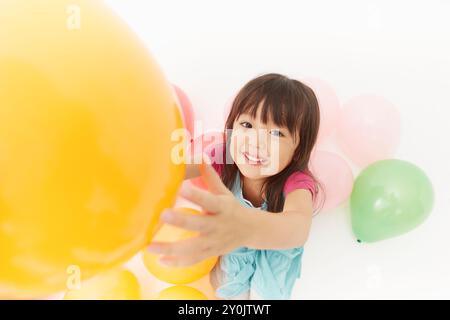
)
(260, 193)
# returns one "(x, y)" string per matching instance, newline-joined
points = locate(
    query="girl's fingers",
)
(182, 261)
(186, 247)
(211, 178)
(204, 199)
(201, 223)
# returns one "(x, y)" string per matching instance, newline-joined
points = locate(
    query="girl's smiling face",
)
(270, 133)
(260, 150)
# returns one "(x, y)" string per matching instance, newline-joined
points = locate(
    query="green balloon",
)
(389, 198)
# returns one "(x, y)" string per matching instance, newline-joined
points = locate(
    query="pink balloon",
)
(335, 176)
(227, 107)
(205, 143)
(186, 108)
(369, 129)
(329, 106)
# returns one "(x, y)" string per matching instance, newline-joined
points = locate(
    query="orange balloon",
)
(116, 284)
(181, 293)
(86, 118)
(176, 275)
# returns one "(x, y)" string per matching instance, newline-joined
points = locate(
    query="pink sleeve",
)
(299, 180)
(216, 154)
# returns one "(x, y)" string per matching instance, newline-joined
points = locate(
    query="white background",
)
(400, 50)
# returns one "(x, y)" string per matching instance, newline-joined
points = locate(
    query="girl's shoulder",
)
(300, 180)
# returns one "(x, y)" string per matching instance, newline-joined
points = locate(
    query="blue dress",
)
(271, 273)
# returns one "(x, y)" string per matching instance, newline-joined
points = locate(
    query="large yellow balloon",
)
(176, 275)
(181, 293)
(86, 118)
(116, 284)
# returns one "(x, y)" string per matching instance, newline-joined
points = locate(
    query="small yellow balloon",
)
(181, 293)
(176, 275)
(119, 284)
(86, 119)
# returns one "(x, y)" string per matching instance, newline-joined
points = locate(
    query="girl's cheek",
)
(233, 149)
(280, 155)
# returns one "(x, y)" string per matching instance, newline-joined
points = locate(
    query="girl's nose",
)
(263, 140)
(257, 144)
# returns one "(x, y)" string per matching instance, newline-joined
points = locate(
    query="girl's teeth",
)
(253, 158)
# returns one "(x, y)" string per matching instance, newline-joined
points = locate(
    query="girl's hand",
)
(221, 230)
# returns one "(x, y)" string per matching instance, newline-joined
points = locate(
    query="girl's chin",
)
(255, 172)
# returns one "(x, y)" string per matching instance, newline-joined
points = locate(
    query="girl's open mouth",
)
(254, 160)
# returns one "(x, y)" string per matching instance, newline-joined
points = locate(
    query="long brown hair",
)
(288, 103)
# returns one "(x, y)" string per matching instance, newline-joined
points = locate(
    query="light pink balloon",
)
(204, 144)
(335, 176)
(329, 106)
(186, 108)
(369, 129)
(227, 107)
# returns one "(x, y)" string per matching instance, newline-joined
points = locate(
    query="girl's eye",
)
(246, 124)
(276, 133)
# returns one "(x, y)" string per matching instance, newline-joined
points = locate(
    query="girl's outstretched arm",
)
(192, 171)
(283, 230)
(193, 167)
(229, 225)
